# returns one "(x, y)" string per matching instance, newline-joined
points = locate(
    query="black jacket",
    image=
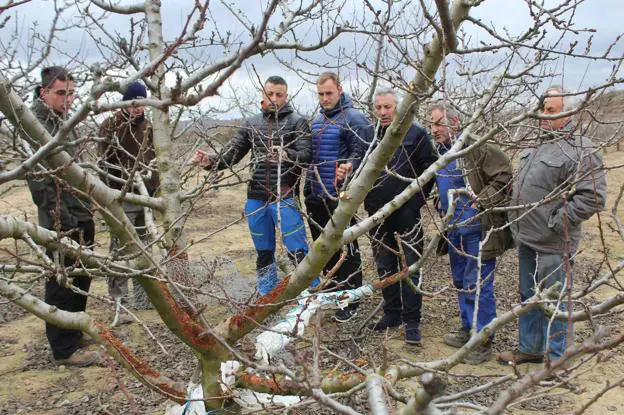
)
(45, 190)
(410, 160)
(286, 129)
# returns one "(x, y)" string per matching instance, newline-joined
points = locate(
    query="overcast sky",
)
(511, 15)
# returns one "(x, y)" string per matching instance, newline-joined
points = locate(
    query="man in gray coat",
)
(60, 210)
(559, 184)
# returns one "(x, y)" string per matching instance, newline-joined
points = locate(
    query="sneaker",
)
(384, 323)
(342, 316)
(80, 358)
(315, 284)
(412, 334)
(481, 354)
(457, 338)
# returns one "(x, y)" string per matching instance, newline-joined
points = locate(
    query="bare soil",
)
(31, 384)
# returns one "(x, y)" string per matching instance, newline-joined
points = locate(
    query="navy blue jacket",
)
(340, 135)
(411, 159)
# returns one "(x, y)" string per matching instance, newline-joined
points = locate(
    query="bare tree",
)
(425, 51)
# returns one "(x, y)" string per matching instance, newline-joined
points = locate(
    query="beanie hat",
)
(135, 90)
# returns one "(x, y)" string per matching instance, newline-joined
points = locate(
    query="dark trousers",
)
(349, 275)
(64, 342)
(400, 301)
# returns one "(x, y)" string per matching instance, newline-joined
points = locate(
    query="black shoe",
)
(342, 316)
(412, 334)
(384, 323)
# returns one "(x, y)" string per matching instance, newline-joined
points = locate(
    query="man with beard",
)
(485, 174)
(279, 140)
(340, 137)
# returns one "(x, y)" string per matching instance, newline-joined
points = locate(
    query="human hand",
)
(274, 154)
(203, 159)
(343, 170)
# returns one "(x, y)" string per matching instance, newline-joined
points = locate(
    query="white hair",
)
(568, 100)
(387, 91)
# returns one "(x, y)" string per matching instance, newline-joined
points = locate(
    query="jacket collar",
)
(281, 112)
(344, 103)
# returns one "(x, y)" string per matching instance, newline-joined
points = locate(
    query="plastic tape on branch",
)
(270, 343)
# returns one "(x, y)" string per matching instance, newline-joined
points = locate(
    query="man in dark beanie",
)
(127, 147)
(60, 210)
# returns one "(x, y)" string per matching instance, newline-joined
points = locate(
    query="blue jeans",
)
(462, 242)
(262, 221)
(544, 269)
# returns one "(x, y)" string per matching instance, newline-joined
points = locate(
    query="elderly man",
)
(414, 155)
(559, 184)
(484, 173)
(59, 209)
(279, 139)
(340, 136)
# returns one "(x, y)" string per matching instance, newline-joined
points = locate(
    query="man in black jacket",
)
(279, 140)
(60, 210)
(415, 154)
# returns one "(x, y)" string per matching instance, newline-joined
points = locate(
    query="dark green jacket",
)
(489, 174)
(47, 190)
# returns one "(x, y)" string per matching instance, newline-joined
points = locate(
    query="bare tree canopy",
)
(103, 105)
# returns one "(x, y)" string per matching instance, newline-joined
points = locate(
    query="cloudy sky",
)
(506, 16)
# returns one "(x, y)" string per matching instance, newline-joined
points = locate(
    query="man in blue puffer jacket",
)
(340, 136)
(410, 160)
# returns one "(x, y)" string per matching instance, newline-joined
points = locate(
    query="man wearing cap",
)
(59, 209)
(127, 146)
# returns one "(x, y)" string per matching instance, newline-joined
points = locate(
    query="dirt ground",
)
(31, 384)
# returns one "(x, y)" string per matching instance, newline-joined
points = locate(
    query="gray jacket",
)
(46, 190)
(565, 167)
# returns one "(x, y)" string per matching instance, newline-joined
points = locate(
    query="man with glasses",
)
(60, 210)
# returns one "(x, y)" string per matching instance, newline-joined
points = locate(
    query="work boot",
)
(516, 357)
(412, 333)
(457, 338)
(481, 354)
(86, 341)
(80, 358)
(385, 322)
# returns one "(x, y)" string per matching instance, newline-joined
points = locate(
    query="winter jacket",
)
(488, 171)
(45, 190)
(284, 128)
(566, 163)
(340, 135)
(126, 143)
(411, 159)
